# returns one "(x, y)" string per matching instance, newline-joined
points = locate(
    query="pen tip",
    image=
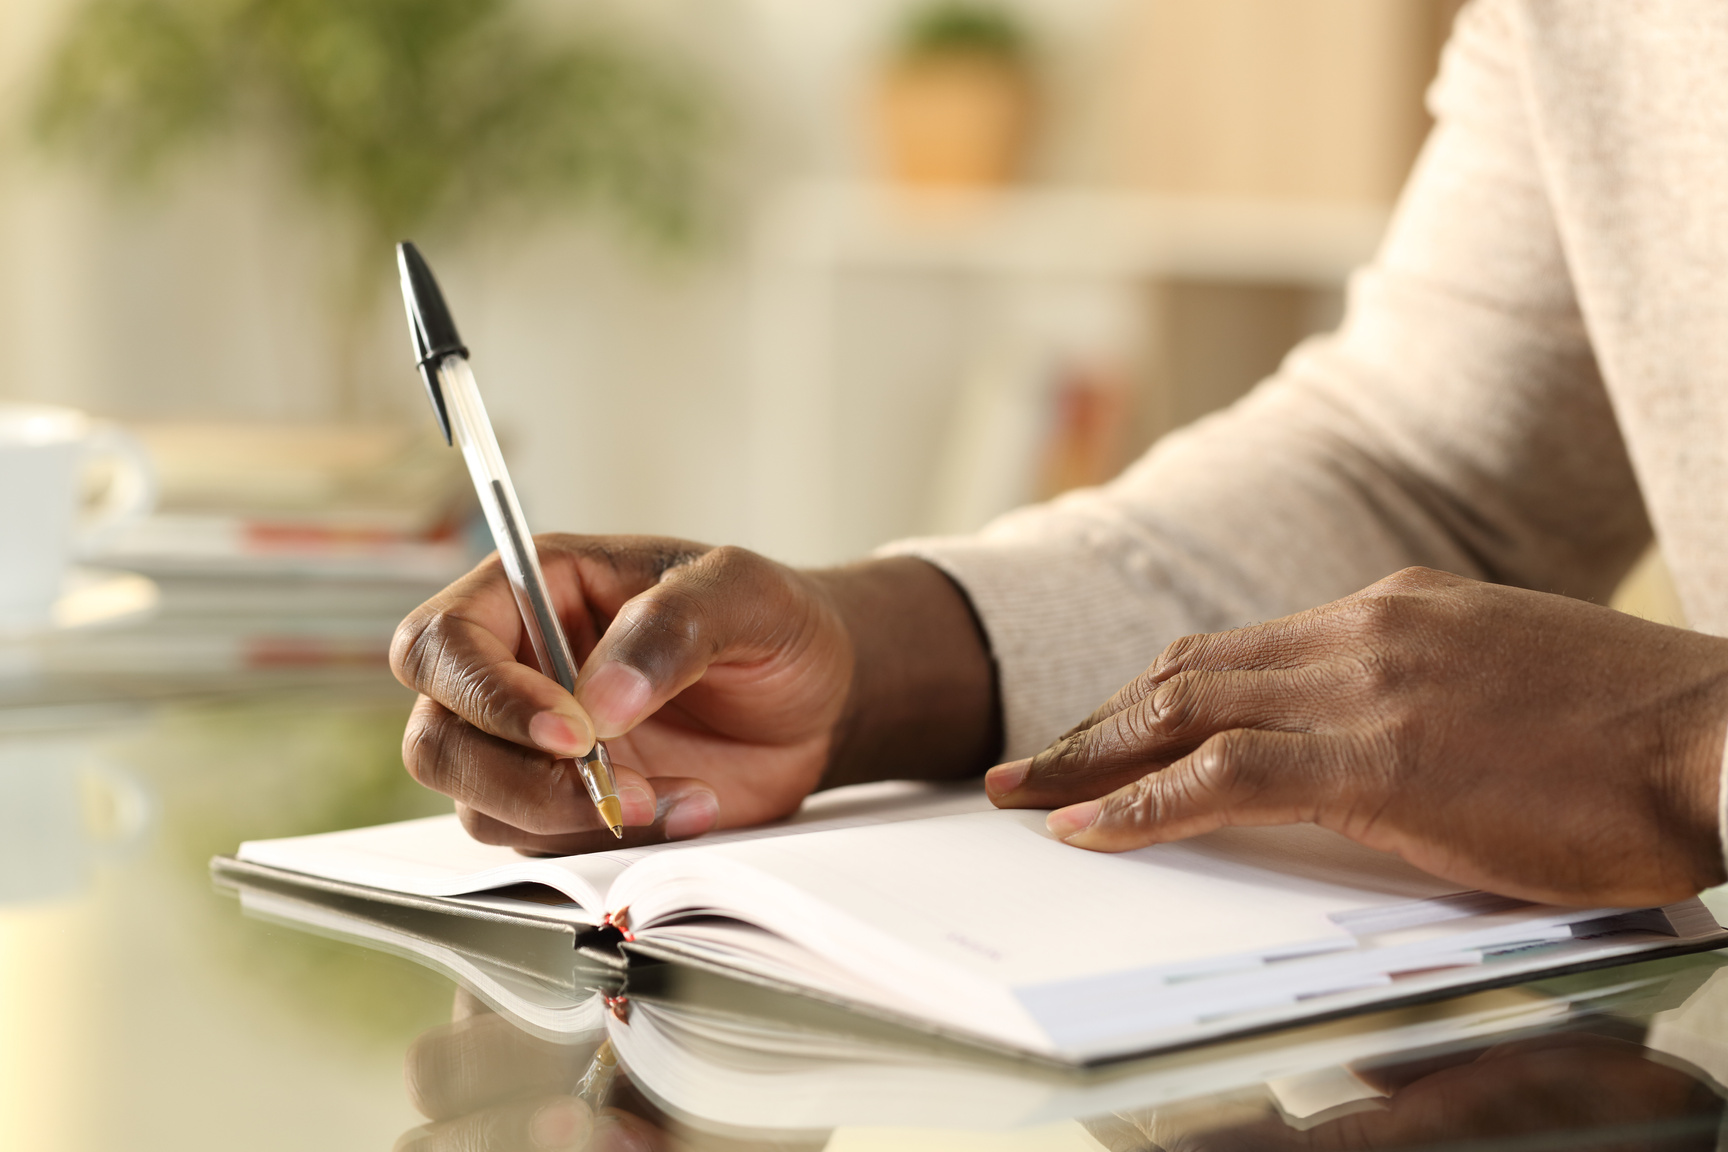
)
(613, 813)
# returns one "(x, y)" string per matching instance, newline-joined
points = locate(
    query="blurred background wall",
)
(858, 343)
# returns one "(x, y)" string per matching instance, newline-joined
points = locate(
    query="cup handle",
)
(133, 807)
(130, 495)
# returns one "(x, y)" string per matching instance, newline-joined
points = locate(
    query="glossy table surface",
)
(141, 1007)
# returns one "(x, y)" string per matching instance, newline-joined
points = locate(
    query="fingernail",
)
(1076, 818)
(611, 1136)
(561, 1124)
(638, 805)
(560, 734)
(615, 696)
(1004, 778)
(414, 1140)
(692, 815)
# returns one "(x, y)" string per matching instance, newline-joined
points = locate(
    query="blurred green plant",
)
(412, 116)
(962, 27)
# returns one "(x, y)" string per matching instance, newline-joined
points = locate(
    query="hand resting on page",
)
(727, 687)
(1515, 741)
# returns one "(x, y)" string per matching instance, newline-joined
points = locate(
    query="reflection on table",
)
(547, 1048)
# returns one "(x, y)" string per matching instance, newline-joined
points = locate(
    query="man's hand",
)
(728, 687)
(1524, 743)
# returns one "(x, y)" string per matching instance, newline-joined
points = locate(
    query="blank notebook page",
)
(435, 857)
(994, 895)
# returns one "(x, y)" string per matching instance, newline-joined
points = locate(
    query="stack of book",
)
(379, 502)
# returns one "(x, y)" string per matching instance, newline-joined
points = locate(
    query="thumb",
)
(727, 603)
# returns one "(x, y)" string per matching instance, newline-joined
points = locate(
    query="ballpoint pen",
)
(443, 363)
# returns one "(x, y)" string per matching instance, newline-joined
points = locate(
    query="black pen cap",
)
(429, 325)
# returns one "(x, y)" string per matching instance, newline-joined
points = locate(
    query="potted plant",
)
(954, 107)
(406, 117)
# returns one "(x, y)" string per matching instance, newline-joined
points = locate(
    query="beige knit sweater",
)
(1529, 376)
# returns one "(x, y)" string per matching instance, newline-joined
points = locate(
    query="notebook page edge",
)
(378, 857)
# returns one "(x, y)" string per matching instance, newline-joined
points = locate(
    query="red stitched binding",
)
(620, 921)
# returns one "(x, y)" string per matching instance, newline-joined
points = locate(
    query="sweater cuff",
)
(1722, 806)
(1064, 629)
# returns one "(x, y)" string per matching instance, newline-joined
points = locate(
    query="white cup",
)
(49, 459)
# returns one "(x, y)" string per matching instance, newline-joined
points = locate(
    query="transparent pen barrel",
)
(480, 450)
(602, 786)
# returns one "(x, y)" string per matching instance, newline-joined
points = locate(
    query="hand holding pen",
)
(443, 362)
(727, 686)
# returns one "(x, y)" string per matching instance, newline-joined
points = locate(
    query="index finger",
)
(1171, 720)
(1277, 645)
(1287, 642)
(467, 647)
(460, 649)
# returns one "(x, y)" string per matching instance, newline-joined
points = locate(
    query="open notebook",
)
(735, 1058)
(926, 906)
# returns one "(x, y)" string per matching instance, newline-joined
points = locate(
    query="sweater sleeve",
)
(1456, 420)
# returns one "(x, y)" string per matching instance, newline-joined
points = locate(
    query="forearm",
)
(923, 700)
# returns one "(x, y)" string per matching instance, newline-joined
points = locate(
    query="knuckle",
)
(1131, 695)
(409, 645)
(651, 554)
(1136, 729)
(1066, 757)
(1176, 705)
(1416, 578)
(438, 748)
(430, 664)
(1380, 634)
(433, 735)
(664, 554)
(1151, 801)
(620, 561)
(728, 573)
(732, 560)
(1213, 777)
(1140, 806)
(421, 646)
(1179, 652)
(1399, 603)
(1223, 765)
(1378, 612)
(672, 612)
(1372, 670)
(1155, 800)
(702, 566)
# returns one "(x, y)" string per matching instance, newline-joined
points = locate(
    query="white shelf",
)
(1021, 232)
(1054, 272)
